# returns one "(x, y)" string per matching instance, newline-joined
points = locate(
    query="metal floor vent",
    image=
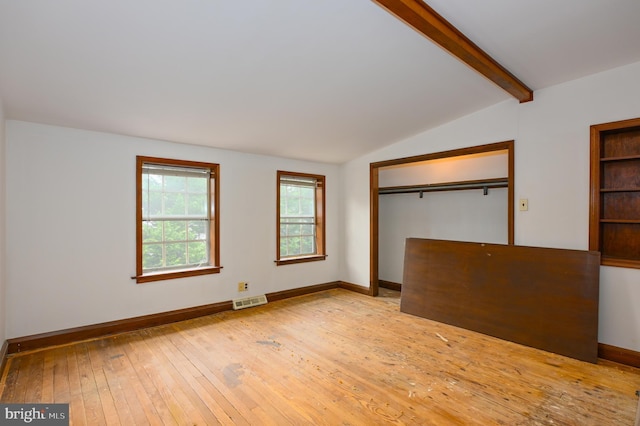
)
(249, 302)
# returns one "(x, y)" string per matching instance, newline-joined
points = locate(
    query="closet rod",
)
(446, 186)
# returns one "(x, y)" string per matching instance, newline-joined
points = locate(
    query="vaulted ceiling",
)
(322, 80)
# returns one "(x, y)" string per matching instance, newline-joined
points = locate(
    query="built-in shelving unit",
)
(615, 193)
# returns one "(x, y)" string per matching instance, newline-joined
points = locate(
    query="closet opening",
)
(464, 194)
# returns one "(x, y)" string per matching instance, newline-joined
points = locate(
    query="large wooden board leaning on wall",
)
(540, 297)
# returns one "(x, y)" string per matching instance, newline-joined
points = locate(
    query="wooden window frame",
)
(320, 216)
(213, 266)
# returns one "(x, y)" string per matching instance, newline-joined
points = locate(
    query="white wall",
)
(3, 228)
(71, 229)
(551, 169)
(488, 165)
(451, 215)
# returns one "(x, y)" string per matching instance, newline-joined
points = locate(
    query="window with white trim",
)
(301, 217)
(177, 218)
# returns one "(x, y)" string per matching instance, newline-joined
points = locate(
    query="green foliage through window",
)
(175, 217)
(297, 216)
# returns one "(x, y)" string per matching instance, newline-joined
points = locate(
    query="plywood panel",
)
(539, 297)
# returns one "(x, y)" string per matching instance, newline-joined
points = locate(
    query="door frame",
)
(374, 202)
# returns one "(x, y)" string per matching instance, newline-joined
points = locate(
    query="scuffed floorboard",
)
(334, 358)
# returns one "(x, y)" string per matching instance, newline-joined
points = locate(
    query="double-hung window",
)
(301, 218)
(178, 225)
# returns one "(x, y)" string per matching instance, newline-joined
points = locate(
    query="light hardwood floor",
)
(334, 358)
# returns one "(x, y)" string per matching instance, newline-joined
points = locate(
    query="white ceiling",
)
(324, 80)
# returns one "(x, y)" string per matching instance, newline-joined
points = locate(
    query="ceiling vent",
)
(249, 302)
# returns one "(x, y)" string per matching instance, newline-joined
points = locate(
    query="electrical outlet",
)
(524, 204)
(243, 286)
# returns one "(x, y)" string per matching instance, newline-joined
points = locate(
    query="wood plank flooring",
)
(330, 358)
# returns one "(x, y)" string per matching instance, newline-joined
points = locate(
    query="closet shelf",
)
(621, 221)
(484, 184)
(621, 158)
(628, 189)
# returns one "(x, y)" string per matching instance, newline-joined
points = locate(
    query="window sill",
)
(301, 259)
(183, 273)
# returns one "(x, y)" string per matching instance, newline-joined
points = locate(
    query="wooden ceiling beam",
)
(429, 23)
